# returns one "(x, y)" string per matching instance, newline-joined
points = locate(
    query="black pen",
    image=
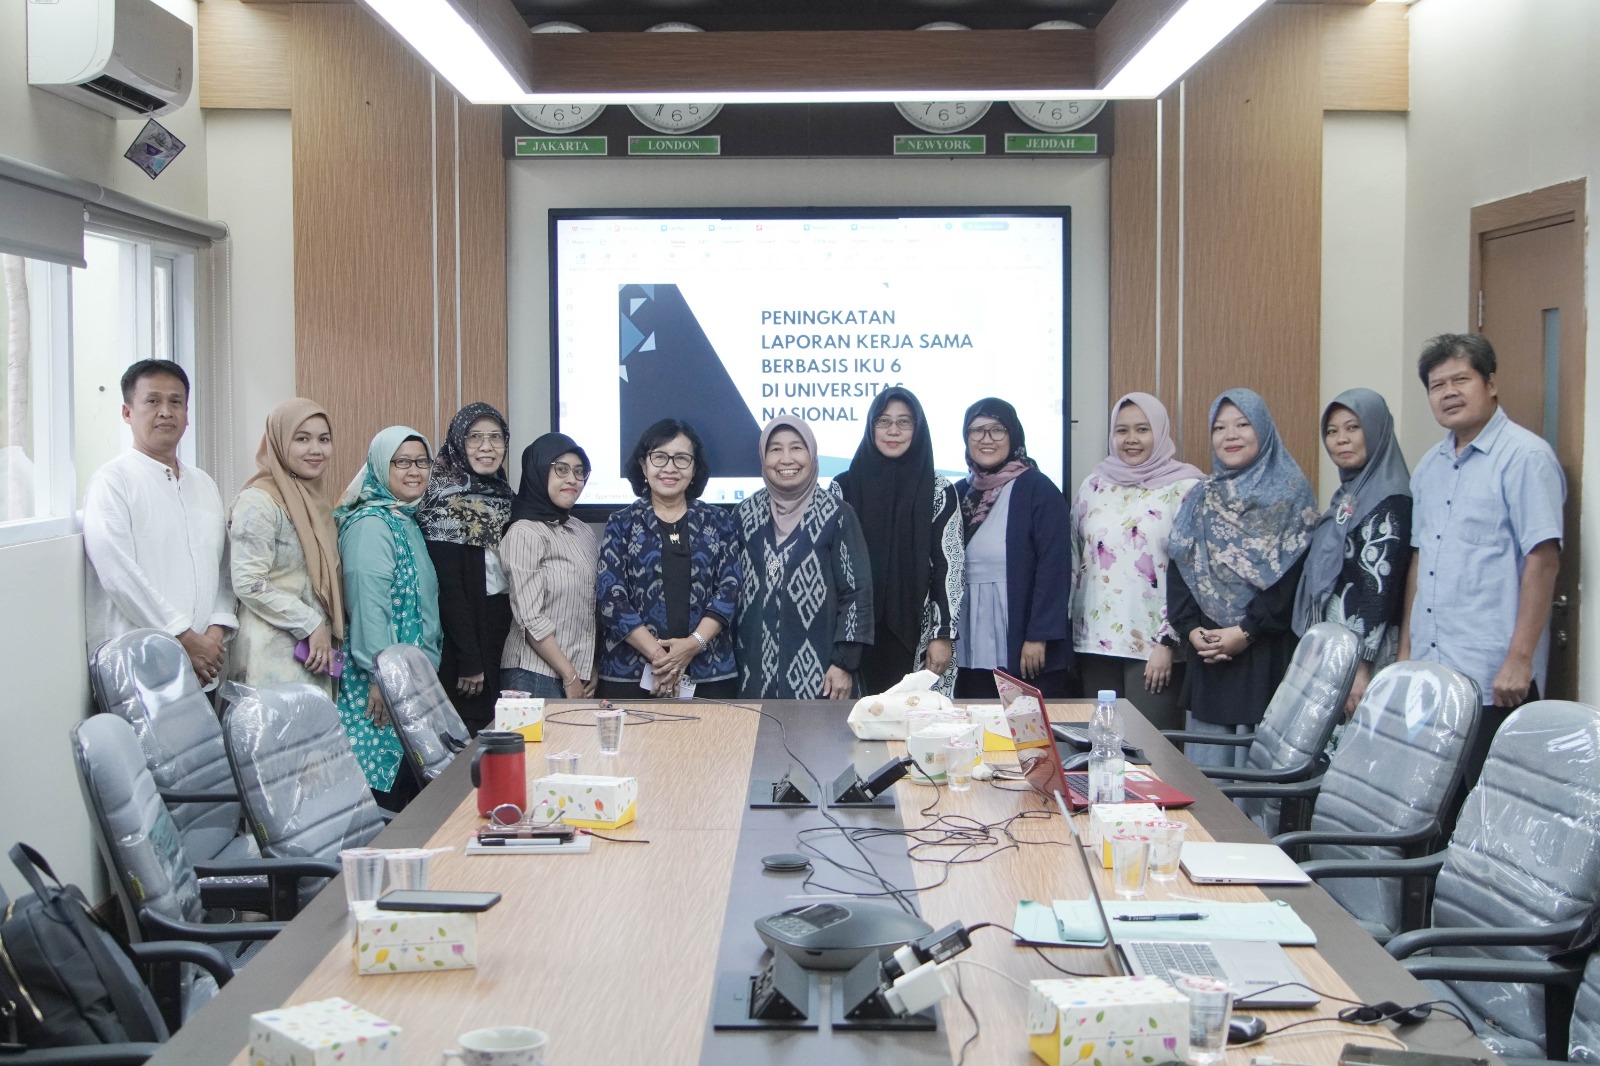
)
(1190, 916)
(521, 842)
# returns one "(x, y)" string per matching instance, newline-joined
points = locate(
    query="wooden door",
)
(1528, 301)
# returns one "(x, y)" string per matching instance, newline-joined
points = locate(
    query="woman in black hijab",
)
(550, 560)
(911, 521)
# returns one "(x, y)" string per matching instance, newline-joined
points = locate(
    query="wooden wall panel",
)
(483, 258)
(244, 55)
(1133, 248)
(1253, 241)
(1366, 58)
(362, 219)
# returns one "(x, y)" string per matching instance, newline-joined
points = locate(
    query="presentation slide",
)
(727, 321)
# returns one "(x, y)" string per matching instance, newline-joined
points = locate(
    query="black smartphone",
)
(421, 899)
(1358, 1055)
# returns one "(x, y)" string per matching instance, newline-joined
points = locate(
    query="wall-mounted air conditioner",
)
(124, 58)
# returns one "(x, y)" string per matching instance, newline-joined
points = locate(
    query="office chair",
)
(303, 791)
(1521, 872)
(1289, 743)
(430, 730)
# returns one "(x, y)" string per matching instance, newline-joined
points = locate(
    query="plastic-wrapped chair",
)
(431, 732)
(158, 887)
(144, 677)
(1288, 745)
(1522, 870)
(1385, 793)
(303, 791)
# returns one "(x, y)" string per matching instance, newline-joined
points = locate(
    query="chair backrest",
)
(145, 678)
(1398, 764)
(303, 791)
(1583, 1042)
(135, 832)
(1307, 705)
(1526, 849)
(430, 730)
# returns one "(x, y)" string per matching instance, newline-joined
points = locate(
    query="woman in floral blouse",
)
(1121, 519)
(1355, 572)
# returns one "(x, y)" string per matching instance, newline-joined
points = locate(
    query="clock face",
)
(558, 118)
(1057, 116)
(945, 116)
(674, 118)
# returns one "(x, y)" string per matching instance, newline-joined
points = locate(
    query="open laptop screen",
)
(1030, 730)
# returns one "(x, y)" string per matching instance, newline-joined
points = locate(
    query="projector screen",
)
(726, 319)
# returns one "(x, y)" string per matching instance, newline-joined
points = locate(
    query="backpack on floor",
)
(65, 980)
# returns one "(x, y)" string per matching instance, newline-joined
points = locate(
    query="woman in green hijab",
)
(391, 594)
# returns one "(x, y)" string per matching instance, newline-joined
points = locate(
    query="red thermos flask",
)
(499, 770)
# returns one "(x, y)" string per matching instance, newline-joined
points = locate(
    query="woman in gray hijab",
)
(1355, 571)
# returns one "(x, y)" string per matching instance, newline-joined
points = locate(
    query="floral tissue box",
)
(323, 1033)
(413, 941)
(1107, 1021)
(585, 800)
(518, 714)
(996, 730)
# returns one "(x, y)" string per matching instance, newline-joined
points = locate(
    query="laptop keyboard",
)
(1161, 958)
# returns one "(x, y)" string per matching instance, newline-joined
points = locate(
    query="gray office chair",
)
(1522, 870)
(144, 677)
(1385, 793)
(303, 791)
(430, 730)
(1289, 743)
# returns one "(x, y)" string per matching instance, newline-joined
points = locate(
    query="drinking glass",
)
(1210, 1005)
(1130, 864)
(609, 723)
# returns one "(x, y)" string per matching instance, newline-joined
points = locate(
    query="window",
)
(67, 335)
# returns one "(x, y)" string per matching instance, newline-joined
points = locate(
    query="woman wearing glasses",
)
(463, 516)
(550, 558)
(391, 594)
(669, 577)
(1019, 561)
(910, 518)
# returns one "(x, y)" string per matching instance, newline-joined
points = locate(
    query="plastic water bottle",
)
(1106, 766)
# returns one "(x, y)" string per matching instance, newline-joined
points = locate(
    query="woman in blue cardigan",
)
(1019, 562)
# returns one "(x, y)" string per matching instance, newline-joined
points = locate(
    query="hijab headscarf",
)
(1384, 474)
(369, 491)
(1162, 466)
(985, 484)
(461, 505)
(305, 501)
(1241, 530)
(789, 504)
(533, 500)
(894, 500)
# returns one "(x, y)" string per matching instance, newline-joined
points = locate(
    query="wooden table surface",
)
(614, 953)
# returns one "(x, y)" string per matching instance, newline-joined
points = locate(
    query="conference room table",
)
(616, 953)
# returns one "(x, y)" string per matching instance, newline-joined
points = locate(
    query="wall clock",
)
(558, 118)
(1057, 116)
(942, 116)
(674, 118)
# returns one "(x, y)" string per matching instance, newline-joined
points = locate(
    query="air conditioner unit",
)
(123, 58)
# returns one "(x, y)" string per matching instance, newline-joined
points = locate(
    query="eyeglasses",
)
(679, 461)
(904, 425)
(566, 470)
(406, 463)
(981, 433)
(496, 439)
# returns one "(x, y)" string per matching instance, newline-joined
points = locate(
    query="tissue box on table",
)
(1106, 818)
(1106, 1021)
(585, 800)
(520, 714)
(413, 941)
(996, 730)
(322, 1033)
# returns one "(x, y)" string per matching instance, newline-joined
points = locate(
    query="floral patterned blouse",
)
(1119, 550)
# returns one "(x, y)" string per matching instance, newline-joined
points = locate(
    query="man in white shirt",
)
(155, 532)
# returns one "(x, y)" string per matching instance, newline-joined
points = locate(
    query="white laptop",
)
(1220, 863)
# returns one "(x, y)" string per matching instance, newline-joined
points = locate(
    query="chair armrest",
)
(206, 932)
(96, 1055)
(205, 956)
(1297, 772)
(387, 816)
(1484, 936)
(1237, 740)
(1379, 839)
(179, 796)
(266, 867)
(1509, 971)
(1423, 865)
(1273, 789)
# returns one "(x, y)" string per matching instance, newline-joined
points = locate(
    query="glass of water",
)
(960, 756)
(1130, 864)
(609, 723)
(1166, 849)
(1210, 1005)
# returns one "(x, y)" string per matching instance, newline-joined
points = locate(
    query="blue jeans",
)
(1216, 754)
(534, 684)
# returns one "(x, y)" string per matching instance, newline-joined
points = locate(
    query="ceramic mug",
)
(502, 1045)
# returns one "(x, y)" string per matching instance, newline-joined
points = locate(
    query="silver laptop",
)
(1221, 863)
(1254, 968)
